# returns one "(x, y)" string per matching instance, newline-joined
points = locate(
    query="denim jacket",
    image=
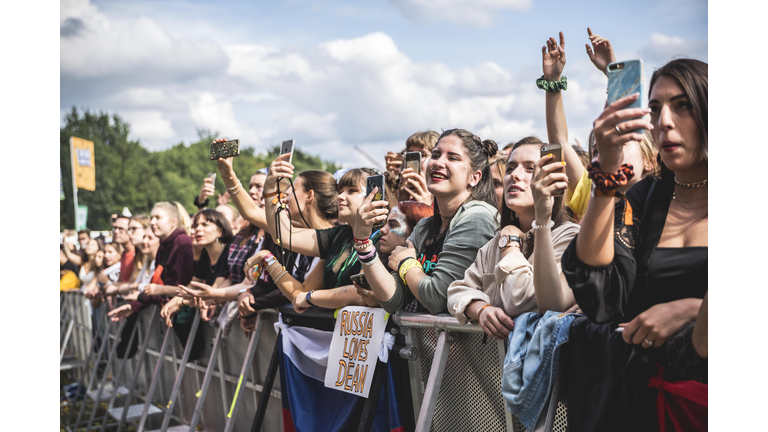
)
(530, 365)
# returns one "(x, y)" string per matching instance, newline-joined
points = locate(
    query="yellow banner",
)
(84, 161)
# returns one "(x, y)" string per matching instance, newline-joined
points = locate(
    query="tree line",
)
(129, 175)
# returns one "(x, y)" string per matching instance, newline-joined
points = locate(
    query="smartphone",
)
(225, 149)
(557, 156)
(626, 78)
(212, 176)
(360, 280)
(378, 182)
(287, 147)
(413, 160)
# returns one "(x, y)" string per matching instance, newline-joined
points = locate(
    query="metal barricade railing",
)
(75, 313)
(456, 378)
(455, 373)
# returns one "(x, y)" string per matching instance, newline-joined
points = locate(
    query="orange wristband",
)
(480, 312)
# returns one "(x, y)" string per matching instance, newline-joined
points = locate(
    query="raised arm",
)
(594, 245)
(304, 240)
(552, 290)
(248, 209)
(601, 53)
(553, 62)
(377, 274)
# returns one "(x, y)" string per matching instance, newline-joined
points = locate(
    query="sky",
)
(345, 78)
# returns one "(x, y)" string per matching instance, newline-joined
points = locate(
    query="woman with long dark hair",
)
(441, 247)
(653, 291)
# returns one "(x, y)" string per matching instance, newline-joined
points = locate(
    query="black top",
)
(341, 261)
(209, 273)
(608, 383)
(639, 279)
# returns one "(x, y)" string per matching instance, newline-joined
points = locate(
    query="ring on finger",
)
(649, 342)
(617, 130)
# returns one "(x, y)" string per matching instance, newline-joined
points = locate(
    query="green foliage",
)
(128, 175)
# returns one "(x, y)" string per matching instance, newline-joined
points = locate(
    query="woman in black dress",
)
(652, 286)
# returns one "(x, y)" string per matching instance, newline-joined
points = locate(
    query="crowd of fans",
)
(615, 235)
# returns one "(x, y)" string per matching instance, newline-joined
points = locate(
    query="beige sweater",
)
(506, 283)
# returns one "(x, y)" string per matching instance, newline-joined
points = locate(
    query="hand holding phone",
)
(225, 149)
(372, 182)
(287, 148)
(556, 150)
(413, 161)
(624, 79)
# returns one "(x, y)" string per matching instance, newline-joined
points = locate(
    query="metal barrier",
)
(455, 374)
(453, 364)
(225, 373)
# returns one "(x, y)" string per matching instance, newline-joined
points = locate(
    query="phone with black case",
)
(376, 181)
(556, 150)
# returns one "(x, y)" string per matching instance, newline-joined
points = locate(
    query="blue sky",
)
(335, 74)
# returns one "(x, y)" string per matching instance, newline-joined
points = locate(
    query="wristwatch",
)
(506, 240)
(309, 297)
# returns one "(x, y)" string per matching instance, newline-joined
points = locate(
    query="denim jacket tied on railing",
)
(530, 366)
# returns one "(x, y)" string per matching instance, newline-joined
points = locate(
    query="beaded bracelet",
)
(552, 86)
(408, 265)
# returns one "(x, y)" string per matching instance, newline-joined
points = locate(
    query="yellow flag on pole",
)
(84, 163)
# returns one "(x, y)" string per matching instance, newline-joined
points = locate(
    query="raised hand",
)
(601, 53)
(279, 169)
(611, 134)
(206, 191)
(547, 181)
(553, 58)
(413, 187)
(368, 214)
(393, 162)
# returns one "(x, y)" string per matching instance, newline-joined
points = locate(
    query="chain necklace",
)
(694, 185)
(680, 203)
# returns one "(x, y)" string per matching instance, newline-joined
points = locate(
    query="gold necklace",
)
(694, 185)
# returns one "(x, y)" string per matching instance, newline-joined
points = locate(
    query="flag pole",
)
(74, 179)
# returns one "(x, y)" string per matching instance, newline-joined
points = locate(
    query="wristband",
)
(408, 265)
(242, 291)
(371, 262)
(271, 194)
(549, 224)
(480, 312)
(361, 241)
(367, 256)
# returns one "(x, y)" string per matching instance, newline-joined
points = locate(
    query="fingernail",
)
(549, 155)
(562, 163)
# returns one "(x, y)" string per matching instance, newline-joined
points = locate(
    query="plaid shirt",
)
(238, 255)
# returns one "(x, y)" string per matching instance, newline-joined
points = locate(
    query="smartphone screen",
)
(212, 176)
(287, 147)
(413, 160)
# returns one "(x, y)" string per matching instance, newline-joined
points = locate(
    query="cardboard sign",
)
(354, 349)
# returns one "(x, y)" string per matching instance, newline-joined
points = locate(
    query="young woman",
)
(412, 185)
(401, 221)
(85, 258)
(655, 290)
(329, 282)
(441, 247)
(213, 233)
(518, 270)
(498, 171)
(315, 193)
(173, 264)
(149, 246)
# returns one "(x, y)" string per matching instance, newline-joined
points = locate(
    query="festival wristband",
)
(408, 265)
(271, 194)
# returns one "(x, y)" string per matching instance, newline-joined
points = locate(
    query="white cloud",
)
(478, 13)
(360, 91)
(150, 126)
(662, 48)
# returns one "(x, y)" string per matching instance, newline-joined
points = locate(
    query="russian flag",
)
(310, 406)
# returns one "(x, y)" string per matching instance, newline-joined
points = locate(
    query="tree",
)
(128, 175)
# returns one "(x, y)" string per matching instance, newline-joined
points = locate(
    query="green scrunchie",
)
(552, 86)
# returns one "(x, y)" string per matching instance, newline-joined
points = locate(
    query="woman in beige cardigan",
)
(500, 283)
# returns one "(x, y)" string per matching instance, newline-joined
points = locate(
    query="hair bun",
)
(490, 147)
